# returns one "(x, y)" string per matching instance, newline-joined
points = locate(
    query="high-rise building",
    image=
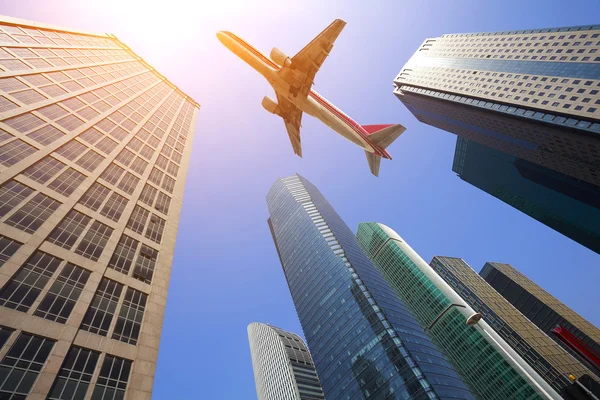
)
(364, 342)
(548, 313)
(493, 370)
(283, 367)
(533, 94)
(546, 357)
(94, 151)
(569, 206)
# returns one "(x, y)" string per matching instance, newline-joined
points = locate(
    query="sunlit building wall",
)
(364, 341)
(94, 151)
(534, 94)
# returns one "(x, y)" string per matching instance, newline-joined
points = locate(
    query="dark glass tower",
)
(558, 321)
(534, 94)
(563, 203)
(364, 342)
(546, 357)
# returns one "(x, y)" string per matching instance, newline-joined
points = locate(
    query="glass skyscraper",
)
(485, 361)
(546, 357)
(548, 313)
(94, 151)
(283, 367)
(533, 94)
(364, 341)
(569, 206)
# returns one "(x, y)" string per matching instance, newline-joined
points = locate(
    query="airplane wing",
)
(292, 119)
(312, 56)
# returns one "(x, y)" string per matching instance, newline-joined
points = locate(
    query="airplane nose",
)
(221, 36)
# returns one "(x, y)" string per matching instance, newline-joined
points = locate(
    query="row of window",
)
(28, 354)
(49, 37)
(23, 289)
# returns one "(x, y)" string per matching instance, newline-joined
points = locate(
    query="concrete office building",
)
(533, 94)
(561, 202)
(283, 367)
(548, 313)
(364, 341)
(546, 357)
(491, 368)
(94, 151)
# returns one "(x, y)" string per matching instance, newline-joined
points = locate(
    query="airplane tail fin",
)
(382, 136)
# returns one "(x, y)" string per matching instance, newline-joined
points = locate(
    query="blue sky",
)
(226, 273)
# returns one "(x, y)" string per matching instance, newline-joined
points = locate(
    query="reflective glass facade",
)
(364, 341)
(546, 357)
(532, 94)
(94, 149)
(487, 370)
(565, 204)
(541, 308)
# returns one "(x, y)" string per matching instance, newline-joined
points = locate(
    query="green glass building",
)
(488, 365)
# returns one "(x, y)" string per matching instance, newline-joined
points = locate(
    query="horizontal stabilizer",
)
(374, 162)
(383, 135)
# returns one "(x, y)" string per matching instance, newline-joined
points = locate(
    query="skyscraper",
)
(533, 94)
(492, 369)
(364, 342)
(546, 357)
(283, 367)
(94, 151)
(548, 313)
(569, 206)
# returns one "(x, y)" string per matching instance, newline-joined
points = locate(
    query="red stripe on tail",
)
(374, 128)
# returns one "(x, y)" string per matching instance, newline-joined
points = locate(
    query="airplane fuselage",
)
(313, 104)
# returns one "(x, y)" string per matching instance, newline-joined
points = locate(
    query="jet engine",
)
(271, 106)
(280, 58)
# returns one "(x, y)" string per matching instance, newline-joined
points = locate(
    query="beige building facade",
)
(94, 151)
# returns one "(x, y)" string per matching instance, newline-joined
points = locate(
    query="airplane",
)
(292, 79)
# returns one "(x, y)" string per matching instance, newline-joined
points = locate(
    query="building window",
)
(114, 207)
(145, 263)
(95, 196)
(72, 150)
(22, 365)
(106, 145)
(33, 214)
(127, 328)
(113, 378)
(15, 151)
(63, 294)
(75, 375)
(148, 195)
(69, 230)
(138, 219)
(12, 193)
(46, 135)
(24, 122)
(155, 228)
(25, 286)
(90, 161)
(162, 162)
(8, 247)
(128, 183)
(99, 315)
(67, 182)
(162, 203)
(92, 244)
(4, 335)
(43, 170)
(123, 255)
(139, 165)
(112, 173)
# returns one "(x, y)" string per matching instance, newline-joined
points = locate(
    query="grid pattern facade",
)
(283, 367)
(569, 206)
(539, 306)
(533, 94)
(483, 367)
(84, 124)
(364, 342)
(547, 358)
